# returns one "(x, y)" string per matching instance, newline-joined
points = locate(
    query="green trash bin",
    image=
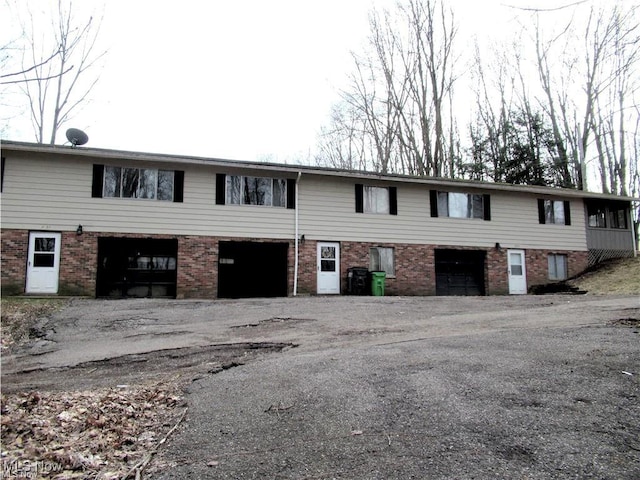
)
(377, 283)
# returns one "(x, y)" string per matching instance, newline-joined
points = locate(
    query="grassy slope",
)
(615, 277)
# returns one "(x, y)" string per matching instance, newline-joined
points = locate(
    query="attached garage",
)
(137, 267)
(460, 272)
(252, 269)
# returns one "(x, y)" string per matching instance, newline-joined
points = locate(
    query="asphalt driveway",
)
(379, 388)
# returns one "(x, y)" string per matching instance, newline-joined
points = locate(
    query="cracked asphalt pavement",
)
(374, 387)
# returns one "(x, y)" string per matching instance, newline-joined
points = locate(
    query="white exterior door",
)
(43, 264)
(517, 272)
(328, 268)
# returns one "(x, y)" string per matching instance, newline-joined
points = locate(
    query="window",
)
(597, 217)
(241, 190)
(381, 259)
(607, 215)
(554, 212)
(376, 199)
(125, 182)
(618, 218)
(557, 267)
(460, 205)
(246, 190)
(372, 199)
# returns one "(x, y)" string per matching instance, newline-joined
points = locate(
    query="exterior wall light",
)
(79, 230)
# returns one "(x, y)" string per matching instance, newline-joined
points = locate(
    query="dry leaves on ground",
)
(20, 315)
(101, 434)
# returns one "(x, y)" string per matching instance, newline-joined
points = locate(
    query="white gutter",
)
(297, 239)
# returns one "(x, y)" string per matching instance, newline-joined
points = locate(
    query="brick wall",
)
(14, 245)
(197, 267)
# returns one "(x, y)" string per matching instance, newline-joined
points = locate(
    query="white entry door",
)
(328, 267)
(43, 264)
(517, 272)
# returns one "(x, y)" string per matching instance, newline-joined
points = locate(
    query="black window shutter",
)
(359, 198)
(2, 175)
(541, 215)
(291, 193)
(98, 180)
(567, 213)
(486, 203)
(178, 186)
(434, 202)
(221, 187)
(393, 200)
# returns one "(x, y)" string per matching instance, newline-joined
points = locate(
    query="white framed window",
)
(245, 190)
(148, 183)
(382, 259)
(557, 266)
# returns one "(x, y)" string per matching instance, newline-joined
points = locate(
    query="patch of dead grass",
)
(614, 277)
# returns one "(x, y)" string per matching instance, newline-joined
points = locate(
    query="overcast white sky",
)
(242, 79)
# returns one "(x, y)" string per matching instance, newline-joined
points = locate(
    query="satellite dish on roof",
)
(77, 137)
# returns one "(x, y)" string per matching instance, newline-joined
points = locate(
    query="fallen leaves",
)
(19, 316)
(102, 433)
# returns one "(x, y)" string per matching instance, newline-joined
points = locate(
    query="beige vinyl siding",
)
(40, 194)
(327, 212)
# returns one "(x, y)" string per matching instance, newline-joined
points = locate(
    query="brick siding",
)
(197, 265)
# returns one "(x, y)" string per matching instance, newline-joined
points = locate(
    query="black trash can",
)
(358, 281)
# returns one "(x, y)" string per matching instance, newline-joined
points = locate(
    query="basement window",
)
(381, 259)
(557, 267)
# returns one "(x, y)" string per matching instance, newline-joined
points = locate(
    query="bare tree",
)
(401, 89)
(586, 92)
(56, 68)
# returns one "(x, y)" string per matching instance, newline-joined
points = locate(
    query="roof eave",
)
(91, 152)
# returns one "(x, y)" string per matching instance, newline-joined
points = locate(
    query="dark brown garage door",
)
(252, 269)
(460, 272)
(137, 267)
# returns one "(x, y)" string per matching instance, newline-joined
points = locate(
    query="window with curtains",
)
(460, 205)
(381, 259)
(375, 199)
(554, 212)
(557, 267)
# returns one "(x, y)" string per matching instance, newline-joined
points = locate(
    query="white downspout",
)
(634, 239)
(297, 239)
